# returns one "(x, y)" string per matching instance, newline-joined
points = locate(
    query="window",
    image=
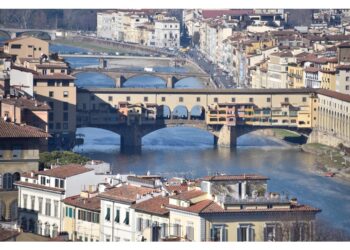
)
(50, 93)
(25, 198)
(110, 98)
(92, 98)
(117, 216)
(58, 125)
(304, 99)
(65, 125)
(65, 116)
(198, 99)
(52, 71)
(245, 233)
(50, 116)
(273, 232)
(16, 152)
(177, 229)
(128, 98)
(181, 99)
(215, 99)
(347, 78)
(190, 231)
(65, 93)
(233, 99)
(40, 210)
(164, 230)
(286, 99)
(32, 202)
(139, 224)
(268, 99)
(42, 180)
(145, 99)
(61, 183)
(347, 87)
(108, 214)
(65, 106)
(251, 99)
(218, 233)
(16, 46)
(126, 220)
(48, 207)
(163, 99)
(55, 209)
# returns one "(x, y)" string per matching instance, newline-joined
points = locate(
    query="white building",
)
(40, 196)
(117, 222)
(167, 33)
(343, 79)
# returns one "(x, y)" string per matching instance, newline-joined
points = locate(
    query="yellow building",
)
(26, 47)
(295, 75)
(82, 216)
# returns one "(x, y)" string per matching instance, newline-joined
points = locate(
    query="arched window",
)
(2, 210)
(7, 181)
(54, 230)
(40, 228)
(14, 210)
(47, 229)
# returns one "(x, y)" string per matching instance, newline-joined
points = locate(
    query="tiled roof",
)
(311, 70)
(242, 177)
(39, 187)
(54, 77)
(195, 208)
(126, 193)
(334, 94)
(283, 54)
(343, 67)
(23, 69)
(215, 208)
(6, 234)
(85, 203)
(153, 206)
(344, 45)
(65, 171)
(188, 195)
(12, 130)
(176, 188)
(26, 103)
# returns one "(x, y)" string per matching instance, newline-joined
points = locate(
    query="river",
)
(189, 152)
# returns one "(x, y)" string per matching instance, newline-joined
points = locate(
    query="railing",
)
(259, 200)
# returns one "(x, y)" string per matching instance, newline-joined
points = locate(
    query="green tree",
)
(61, 158)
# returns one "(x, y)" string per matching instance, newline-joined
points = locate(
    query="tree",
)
(61, 158)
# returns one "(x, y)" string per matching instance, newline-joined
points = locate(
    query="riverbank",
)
(329, 160)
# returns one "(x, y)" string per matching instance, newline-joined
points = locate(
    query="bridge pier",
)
(131, 140)
(119, 81)
(170, 84)
(227, 137)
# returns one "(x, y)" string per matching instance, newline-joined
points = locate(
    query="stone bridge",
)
(121, 75)
(39, 33)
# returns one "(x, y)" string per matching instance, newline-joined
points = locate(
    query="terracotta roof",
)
(195, 208)
(23, 69)
(85, 203)
(215, 208)
(235, 177)
(311, 70)
(6, 234)
(26, 103)
(334, 94)
(65, 171)
(51, 66)
(29, 174)
(176, 188)
(283, 54)
(126, 193)
(54, 77)
(343, 67)
(344, 45)
(188, 195)
(12, 130)
(153, 206)
(217, 13)
(39, 187)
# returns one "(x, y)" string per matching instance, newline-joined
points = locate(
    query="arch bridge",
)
(227, 114)
(42, 34)
(120, 75)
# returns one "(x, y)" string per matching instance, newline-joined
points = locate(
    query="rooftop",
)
(53, 77)
(85, 203)
(194, 208)
(126, 193)
(26, 103)
(65, 171)
(188, 195)
(12, 130)
(235, 177)
(334, 94)
(153, 206)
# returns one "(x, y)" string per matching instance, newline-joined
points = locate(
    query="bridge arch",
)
(196, 83)
(180, 112)
(5, 35)
(149, 81)
(89, 79)
(197, 112)
(165, 112)
(38, 34)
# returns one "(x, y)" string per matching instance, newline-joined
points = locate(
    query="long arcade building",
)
(227, 114)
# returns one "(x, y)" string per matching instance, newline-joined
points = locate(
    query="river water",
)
(189, 152)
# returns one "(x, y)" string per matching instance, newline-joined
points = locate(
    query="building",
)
(343, 79)
(26, 47)
(117, 218)
(277, 75)
(40, 195)
(82, 216)
(167, 33)
(19, 152)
